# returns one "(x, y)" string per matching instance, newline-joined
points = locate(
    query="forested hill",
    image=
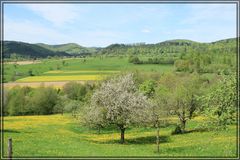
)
(172, 47)
(70, 48)
(41, 50)
(28, 50)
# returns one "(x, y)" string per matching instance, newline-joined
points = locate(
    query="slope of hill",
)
(172, 47)
(229, 41)
(70, 48)
(178, 42)
(28, 50)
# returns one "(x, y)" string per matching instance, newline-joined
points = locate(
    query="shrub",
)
(30, 72)
(134, 60)
(177, 130)
(43, 100)
(76, 91)
(182, 65)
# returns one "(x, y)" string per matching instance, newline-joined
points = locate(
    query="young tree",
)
(159, 110)
(148, 88)
(184, 100)
(221, 103)
(159, 103)
(118, 102)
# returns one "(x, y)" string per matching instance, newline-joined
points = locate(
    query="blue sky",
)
(103, 24)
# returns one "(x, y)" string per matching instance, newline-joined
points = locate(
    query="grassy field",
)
(75, 69)
(58, 135)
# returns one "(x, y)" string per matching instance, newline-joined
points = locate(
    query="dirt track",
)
(23, 62)
(37, 84)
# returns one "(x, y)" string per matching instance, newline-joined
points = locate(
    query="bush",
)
(134, 60)
(177, 130)
(182, 65)
(77, 91)
(43, 101)
(30, 72)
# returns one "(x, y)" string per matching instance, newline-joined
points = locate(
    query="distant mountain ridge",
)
(41, 50)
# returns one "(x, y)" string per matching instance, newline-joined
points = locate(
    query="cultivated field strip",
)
(58, 76)
(61, 78)
(82, 71)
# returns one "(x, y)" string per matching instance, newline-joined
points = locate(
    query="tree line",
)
(156, 60)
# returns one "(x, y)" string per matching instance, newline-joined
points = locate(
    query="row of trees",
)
(156, 60)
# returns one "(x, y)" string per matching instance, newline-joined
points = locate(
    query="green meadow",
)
(59, 135)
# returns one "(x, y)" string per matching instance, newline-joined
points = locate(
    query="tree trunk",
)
(122, 135)
(99, 128)
(183, 124)
(157, 139)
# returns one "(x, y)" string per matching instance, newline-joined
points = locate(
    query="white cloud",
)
(58, 14)
(145, 30)
(34, 32)
(30, 31)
